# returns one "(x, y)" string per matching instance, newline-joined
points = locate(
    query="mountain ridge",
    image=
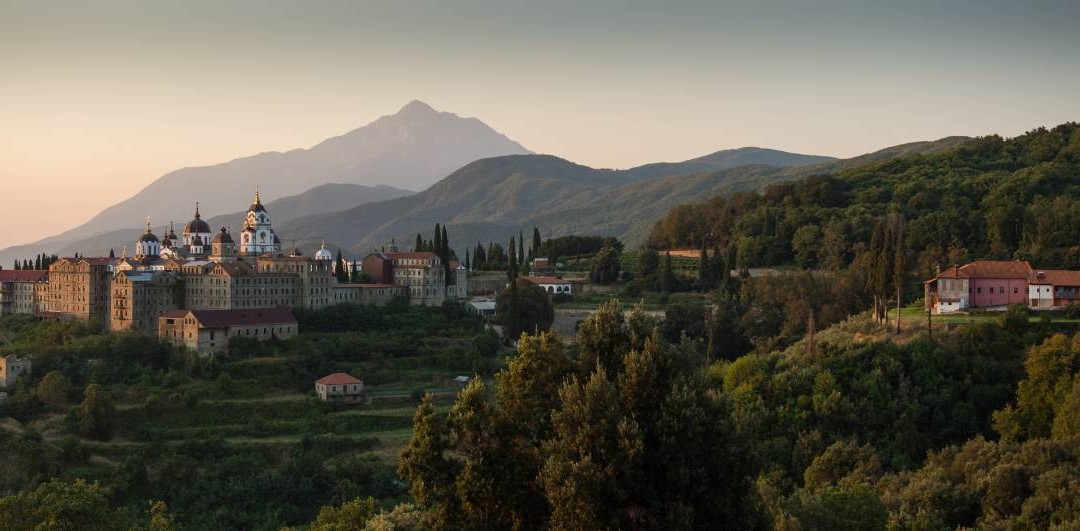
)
(412, 148)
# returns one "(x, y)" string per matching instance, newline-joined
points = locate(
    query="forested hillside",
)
(988, 198)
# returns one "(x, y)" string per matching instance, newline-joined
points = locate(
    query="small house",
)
(11, 368)
(340, 386)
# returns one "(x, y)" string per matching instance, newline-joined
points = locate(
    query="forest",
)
(989, 198)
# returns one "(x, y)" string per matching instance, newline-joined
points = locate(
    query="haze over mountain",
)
(411, 149)
(494, 199)
(325, 198)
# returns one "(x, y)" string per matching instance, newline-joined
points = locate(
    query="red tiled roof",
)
(22, 275)
(997, 269)
(546, 280)
(98, 261)
(1055, 277)
(338, 378)
(223, 318)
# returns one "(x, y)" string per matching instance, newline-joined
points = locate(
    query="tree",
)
(112, 253)
(512, 263)
(95, 414)
(349, 516)
(647, 263)
(53, 389)
(419, 245)
(524, 307)
(425, 465)
(521, 249)
(806, 243)
(339, 268)
(704, 271)
(60, 505)
(605, 267)
(667, 275)
(537, 243)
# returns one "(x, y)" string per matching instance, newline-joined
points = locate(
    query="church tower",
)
(197, 236)
(257, 237)
(223, 248)
(148, 245)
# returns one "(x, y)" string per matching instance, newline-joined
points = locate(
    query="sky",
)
(98, 99)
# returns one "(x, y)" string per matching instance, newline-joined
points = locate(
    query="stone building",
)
(20, 291)
(11, 368)
(423, 274)
(79, 288)
(340, 386)
(377, 294)
(140, 297)
(314, 277)
(209, 331)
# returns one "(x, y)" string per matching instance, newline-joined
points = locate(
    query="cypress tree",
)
(112, 253)
(704, 273)
(537, 244)
(419, 246)
(667, 276)
(719, 270)
(511, 265)
(437, 240)
(521, 249)
(37, 262)
(18, 266)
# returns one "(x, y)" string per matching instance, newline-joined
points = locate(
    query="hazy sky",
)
(99, 98)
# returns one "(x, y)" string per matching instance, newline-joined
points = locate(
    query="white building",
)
(552, 284)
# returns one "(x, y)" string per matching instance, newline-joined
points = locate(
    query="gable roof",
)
(225, 318)
(338, 378)
(997, 269)
(22, 275)
(1055, 277)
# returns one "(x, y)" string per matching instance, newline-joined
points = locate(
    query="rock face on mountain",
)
(411, 149)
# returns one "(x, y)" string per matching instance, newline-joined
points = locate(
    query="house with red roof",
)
(999, 283)
(209, 331)
(340, 387)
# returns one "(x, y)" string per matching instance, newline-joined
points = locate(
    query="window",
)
(978, 290)
(1001, 289)
(1016, 290)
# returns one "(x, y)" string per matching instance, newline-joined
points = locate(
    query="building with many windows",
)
(20, 290)
(209, 331)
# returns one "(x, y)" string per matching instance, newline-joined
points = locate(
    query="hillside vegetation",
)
(988, 198)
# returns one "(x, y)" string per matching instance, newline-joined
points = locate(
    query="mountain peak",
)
(417, 108)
